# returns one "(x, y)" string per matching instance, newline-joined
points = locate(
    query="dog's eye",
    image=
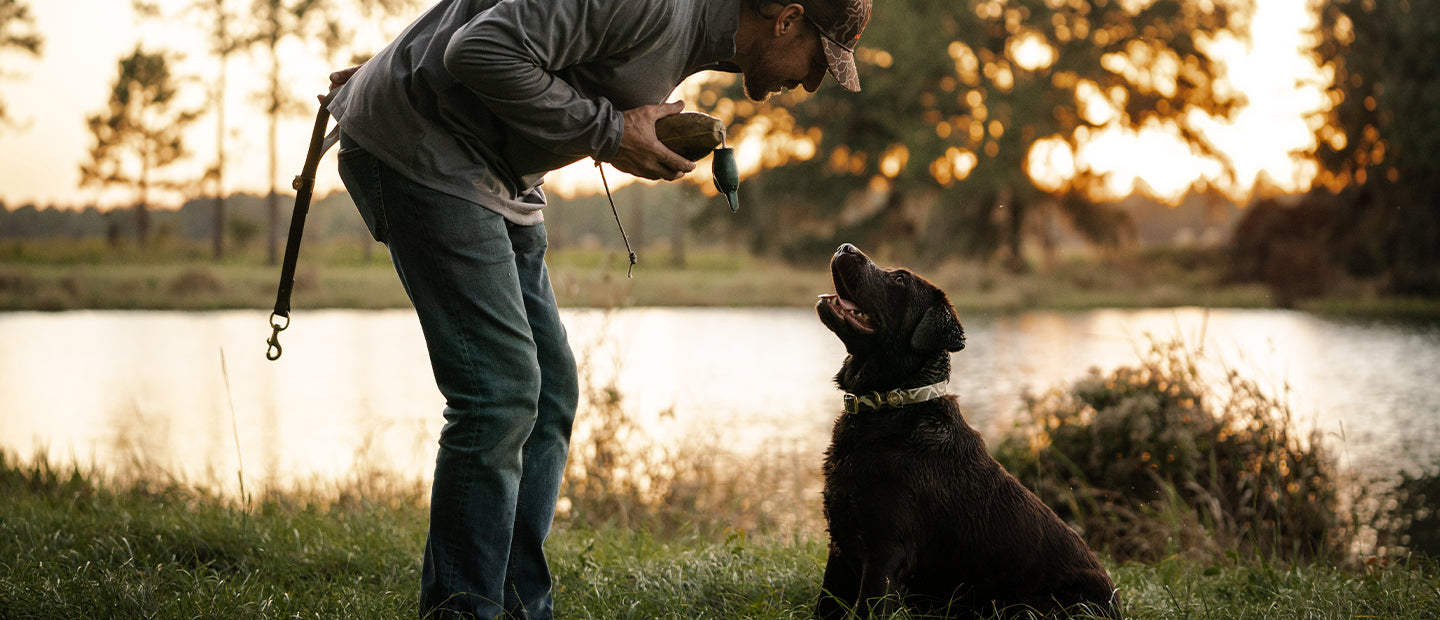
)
(899, 278)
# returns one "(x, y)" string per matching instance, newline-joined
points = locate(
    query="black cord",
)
(630, 273)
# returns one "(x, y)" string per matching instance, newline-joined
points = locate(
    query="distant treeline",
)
(649, 213)
(330, 216)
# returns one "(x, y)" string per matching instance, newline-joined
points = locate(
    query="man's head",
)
(794, 44)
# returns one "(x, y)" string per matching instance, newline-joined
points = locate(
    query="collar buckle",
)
(893, 399)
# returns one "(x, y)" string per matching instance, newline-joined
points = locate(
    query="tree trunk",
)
(1015, 212)
(142, 210)
(217, 232)
(762, 233)
(677, 230)
(272, 200)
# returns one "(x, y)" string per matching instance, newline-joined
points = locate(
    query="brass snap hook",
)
(274, 350)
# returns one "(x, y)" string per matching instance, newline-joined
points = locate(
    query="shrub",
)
(1151, 460)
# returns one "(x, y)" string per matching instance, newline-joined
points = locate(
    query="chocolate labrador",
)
(919, 514)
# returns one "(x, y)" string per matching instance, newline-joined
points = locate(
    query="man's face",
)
(788, 61)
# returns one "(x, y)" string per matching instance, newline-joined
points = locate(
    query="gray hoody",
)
(479, 99)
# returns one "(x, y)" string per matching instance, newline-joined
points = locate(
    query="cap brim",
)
(841, 63)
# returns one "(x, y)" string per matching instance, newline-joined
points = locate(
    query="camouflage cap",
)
(840, 23)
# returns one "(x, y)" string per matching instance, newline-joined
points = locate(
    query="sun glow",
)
(1030, 52)
(1266, 140)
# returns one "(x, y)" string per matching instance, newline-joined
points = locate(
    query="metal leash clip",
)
(304, 185)
(273, 352)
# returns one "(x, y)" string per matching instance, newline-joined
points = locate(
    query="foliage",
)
(140, 133)
(17, 33)
(937, 146)
(1151, 460)
(1379, 142)
(1293, 249)
(230, 29)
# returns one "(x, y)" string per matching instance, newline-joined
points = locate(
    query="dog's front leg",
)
(882, 584)
(840, 588)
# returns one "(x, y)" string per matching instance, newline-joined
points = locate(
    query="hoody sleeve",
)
(511, 56)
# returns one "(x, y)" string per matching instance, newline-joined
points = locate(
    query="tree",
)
(1379, 143)
(276, 21)
(224, 43)
(17, 33)
(307, 21)
(218, 18)
(140, 132)
(960, 99)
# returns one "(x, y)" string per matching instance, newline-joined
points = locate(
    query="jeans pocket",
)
(360, 172)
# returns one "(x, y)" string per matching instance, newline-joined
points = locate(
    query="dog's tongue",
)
(844, 304)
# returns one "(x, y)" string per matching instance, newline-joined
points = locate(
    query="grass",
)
(74, 274)
(74, 278)
(86, 274)
(76, 544)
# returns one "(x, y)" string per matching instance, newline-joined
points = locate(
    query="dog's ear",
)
(939, 330)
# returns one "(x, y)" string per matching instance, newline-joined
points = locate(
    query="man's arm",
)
(508, 55)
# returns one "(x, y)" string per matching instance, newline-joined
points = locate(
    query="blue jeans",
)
(502, 361)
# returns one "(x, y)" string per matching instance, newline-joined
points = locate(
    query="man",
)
(446, 135)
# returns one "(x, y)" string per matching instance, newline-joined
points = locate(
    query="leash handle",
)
(304, 185)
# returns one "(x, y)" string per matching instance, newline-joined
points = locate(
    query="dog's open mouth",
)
(847, 310)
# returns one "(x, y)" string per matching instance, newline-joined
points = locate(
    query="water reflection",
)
(354, 388)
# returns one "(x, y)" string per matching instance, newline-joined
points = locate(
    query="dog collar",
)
(874, 401)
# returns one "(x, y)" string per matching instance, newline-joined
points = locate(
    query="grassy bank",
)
(86, 274)
(76, 544)
(72, 275)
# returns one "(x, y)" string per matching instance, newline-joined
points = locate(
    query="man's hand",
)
(641, 153)
(338, 79)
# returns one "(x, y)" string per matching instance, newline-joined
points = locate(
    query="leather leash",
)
(304, 185)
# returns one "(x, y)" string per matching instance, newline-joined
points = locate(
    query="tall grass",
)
(621, 476)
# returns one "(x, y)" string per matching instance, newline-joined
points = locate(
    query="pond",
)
(192, 393)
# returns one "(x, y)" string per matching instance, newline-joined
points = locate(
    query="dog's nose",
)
(846, 248)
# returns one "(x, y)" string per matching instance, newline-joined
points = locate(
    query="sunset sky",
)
(51, 96)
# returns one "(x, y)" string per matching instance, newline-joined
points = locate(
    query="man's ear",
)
(788, 19)
(939, 330)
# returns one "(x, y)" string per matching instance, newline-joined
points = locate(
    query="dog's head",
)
(892, 313)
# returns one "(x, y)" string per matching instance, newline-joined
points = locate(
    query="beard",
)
(757, 91)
